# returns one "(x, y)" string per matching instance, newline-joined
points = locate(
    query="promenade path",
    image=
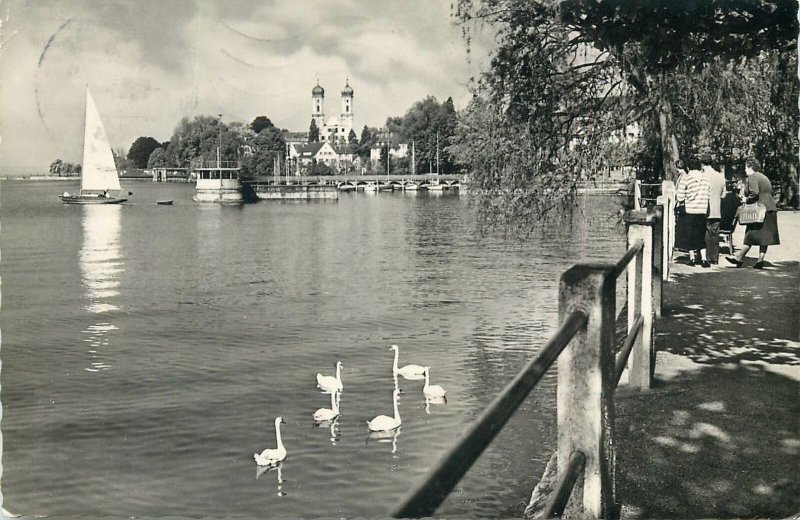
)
(718, 436)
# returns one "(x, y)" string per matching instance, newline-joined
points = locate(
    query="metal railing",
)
(588, 373)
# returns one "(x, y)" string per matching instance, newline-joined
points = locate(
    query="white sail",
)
(99, 173)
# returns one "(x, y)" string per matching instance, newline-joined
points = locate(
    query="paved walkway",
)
(719, 434)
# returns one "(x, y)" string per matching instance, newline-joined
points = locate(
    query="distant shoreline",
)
(52, 178)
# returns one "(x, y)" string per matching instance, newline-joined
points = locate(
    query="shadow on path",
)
(719, 434)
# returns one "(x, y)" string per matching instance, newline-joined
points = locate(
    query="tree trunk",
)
(790, 191)
(669, 142)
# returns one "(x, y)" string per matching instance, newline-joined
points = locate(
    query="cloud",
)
(151, 62)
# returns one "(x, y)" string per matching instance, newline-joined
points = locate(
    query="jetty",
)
(684, 404)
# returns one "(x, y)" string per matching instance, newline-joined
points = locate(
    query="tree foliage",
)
(430, 126)
(313, 132)
(568, 77)
(369, 137)
(141, 149)
(265, 148)
(260, 123)
(157, 159)
(199, 138)
(64, 169)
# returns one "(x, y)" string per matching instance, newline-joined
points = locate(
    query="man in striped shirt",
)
(693, 190)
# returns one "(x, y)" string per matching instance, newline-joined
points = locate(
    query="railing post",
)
(585, 385)
(641, 363)
(668, 194)
(658, 258)
(637, 194)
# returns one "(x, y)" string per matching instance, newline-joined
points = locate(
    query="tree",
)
(140, 151)
(199, 138)
(569, 75)
(157, 159)
(260, 123)
(122, 163)
(313, 132)
(368, 139)
(352, 138)
(266, 147)
(64, 169)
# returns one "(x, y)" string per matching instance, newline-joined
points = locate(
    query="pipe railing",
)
(559, 498)
(588, 373)
(439, 482)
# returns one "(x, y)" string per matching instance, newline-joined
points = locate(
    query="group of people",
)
(700, 192)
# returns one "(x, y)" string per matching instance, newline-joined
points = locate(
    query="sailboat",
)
(99, 178)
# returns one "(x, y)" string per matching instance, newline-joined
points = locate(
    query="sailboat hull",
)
(77, 199)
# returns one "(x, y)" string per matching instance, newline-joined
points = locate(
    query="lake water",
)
(146, 350)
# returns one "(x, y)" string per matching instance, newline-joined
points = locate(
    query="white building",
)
(334, 129)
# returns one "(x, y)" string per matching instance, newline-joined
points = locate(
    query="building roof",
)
(311, 149)
(347, 90)
(317, 91)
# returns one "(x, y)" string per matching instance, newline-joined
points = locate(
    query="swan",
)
(331, 384)
(383, 423)
(328, 414)
(408, 371)
(432, 390)
(270, 457)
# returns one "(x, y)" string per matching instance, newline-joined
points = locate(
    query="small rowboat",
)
(164, 202)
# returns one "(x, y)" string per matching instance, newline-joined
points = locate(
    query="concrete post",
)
(658, 258)
(668, 192)
(586, 387)
(640, 227)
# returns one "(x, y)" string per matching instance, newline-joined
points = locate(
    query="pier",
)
(360, 182)
(682, 405)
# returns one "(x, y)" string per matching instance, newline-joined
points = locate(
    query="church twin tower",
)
(332, 129)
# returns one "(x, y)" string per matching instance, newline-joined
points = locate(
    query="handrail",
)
(625, 351)
(623, 262)
(430, 493)
(559, 498)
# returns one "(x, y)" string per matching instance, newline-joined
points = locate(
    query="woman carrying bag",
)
(764, 233)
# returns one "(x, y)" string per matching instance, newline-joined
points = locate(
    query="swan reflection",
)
(260, 470)
(334, 429)
(433, 400)
(100, 264)
(385, 437)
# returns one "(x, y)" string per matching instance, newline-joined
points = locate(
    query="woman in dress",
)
(765, 234)
(690, 234)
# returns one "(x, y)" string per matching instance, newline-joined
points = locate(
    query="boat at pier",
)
(99, 176)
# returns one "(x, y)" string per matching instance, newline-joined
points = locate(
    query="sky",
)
(148, 63)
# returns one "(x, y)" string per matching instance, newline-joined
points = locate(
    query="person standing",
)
(692, 190)
(765, 234)
(717, 191)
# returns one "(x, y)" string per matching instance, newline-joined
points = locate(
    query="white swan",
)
(328, 414)
(383, 423)
(408, 371)
(270, 457)
(432, 390)
(331, 384)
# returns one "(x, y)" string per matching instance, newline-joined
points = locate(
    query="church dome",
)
(317, 91)
(347, 90)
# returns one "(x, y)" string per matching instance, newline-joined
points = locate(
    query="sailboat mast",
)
(219, 164)
(413, 159)
(437, 154)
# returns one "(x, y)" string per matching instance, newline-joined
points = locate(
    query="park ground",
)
(718, 435)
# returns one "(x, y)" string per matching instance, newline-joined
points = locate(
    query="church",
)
(333, 129)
